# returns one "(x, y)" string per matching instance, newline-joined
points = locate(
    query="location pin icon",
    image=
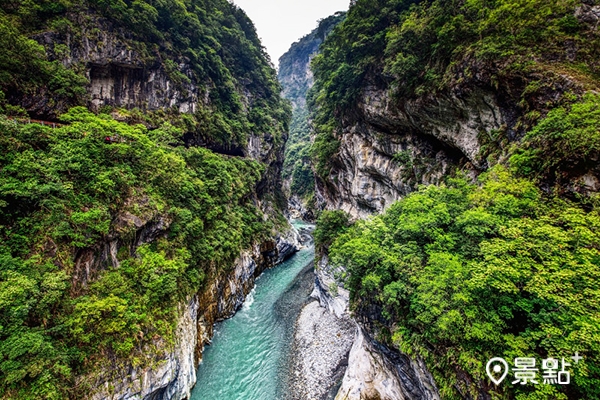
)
(494, 367)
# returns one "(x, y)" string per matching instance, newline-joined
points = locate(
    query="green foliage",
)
(345, 57)
(416, 48)
(214, 38)
(303, 180)
(65, 192)
(130, 301)
(297, 159)
(24, 66)
(465, 273)
(296, 83)
(333, 289)
(564, 144)
(403, 157)
(330, 225)
(323, 150)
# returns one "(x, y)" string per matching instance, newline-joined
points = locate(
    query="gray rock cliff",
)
(170, 373)
(374, 370)
(390, 145)
(296, 79)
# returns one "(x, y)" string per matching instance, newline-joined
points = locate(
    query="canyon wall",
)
(199, 72)
(396, 107)
(401, 103)
(296, 79)
(170, 374)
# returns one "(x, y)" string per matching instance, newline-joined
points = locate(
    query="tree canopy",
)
(463, 273)
(66, 190)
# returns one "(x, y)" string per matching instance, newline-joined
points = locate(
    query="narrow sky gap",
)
(280, 23)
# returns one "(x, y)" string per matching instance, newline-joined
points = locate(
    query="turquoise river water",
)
(248, 357)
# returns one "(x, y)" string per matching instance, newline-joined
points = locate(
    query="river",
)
(248, 357)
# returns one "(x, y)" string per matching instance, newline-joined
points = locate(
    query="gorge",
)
(156, 229)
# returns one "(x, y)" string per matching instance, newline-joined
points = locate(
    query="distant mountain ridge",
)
(296, 79)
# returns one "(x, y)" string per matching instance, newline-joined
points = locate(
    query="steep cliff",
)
(296, 79)
(145, 215)
(404, 106)
(484, 104)
(149, 62)
(171, 373)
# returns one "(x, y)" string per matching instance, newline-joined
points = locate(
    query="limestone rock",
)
(372, 375)
(321, 345)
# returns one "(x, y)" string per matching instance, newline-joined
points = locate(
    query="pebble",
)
(320, 350)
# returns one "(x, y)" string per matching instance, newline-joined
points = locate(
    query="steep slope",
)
(422, 91)
(199, 66)
(495, 104)
(143, 213)
(296, 79)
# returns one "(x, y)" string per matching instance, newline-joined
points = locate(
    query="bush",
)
(465, 273)
(562, 145)
(330, 225)
(65, 190)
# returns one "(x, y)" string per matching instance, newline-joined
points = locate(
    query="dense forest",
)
(214, 38)
(503, 265)
(70, 304)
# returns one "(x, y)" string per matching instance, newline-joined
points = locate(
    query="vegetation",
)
(296, 83)
(463, 272)
(24, 66)
(297, 165)
(563, 145)
(213, 37)
(415, 48)
(65, 191)
(330, 225)
(66, 194)
(466, 272)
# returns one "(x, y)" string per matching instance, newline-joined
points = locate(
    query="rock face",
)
(391, 148)
(172, 373)
(298, 210)
(118, 70)
(294, 73)
(336, 357)
(387, 148)
(159, 77)
(172, 377)
(118, 74)
(147, 226)
(322, 342)
(323, 337)
(296, 79)
(371, 374)
(331, 295)
(390, 139)
(389, 145)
